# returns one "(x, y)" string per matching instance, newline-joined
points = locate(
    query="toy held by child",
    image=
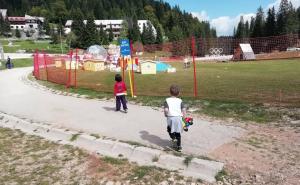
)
(120, 93)
(187, 122)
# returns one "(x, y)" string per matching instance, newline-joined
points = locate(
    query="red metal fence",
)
(68, 70)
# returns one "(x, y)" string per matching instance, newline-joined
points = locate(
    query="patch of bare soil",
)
(26, 159)
(267, 154)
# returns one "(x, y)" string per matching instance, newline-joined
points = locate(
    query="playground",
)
(261, 83)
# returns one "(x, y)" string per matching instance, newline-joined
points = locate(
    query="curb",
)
(197, 168)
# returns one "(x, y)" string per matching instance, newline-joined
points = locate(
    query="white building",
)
(25, 23)
(115, 24)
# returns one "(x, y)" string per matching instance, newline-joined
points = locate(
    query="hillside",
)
(173, 22)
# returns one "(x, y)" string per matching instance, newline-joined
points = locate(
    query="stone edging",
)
(197, 168)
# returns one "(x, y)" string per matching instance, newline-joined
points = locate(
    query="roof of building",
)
(16, 19)
(147, 61)
(103, 22)
(26, 17)
(29, 17)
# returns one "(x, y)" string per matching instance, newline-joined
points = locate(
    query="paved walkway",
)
(141, 124)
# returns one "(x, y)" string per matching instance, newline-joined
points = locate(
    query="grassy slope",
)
(253, 82)
(31, 46)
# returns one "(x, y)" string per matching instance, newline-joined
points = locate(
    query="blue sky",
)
(225, 14)
(218, 8)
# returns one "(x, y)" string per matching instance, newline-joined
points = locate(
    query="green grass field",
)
(244, 90)
(19, 63)
(30, 46)
(252, 82)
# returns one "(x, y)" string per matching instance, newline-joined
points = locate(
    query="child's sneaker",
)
(126, 110)
(174, 141)
(179, 149)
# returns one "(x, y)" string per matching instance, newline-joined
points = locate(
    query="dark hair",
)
(174, 90)
(118, 78)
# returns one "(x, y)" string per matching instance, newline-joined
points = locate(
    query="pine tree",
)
(252, 22)
(234, 31)
(103, 40)
(270, 29)
(159, 35)
(298, 12)
(46, 27)
(90, 32)
(110, 34)
(240, 31)
(148, 34)
(176, 34)
(258, 29)
(124, 30)
(247, 29)
(135, 30)
(6, 26)
(292, 20)
(282, 17)
(77, 24)
(1, 24)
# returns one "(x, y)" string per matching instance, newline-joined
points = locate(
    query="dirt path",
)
(141, 124)
(268, 154)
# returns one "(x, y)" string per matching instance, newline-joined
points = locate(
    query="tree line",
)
(4, 26)
(170, 23)
(285, 21)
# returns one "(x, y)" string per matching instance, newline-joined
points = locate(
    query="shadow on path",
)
(109, 109)
(154, 139)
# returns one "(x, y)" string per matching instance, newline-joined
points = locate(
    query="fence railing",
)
(201, 80)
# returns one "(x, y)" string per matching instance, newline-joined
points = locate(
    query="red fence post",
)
(45, 65)
(38, 65)
(34, 64)
(76, 67)
(194, 64)
(69, 79)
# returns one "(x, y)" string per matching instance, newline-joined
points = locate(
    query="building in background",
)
(25, 23)
(116, 26)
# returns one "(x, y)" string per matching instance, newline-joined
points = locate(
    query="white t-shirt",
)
(175, 106)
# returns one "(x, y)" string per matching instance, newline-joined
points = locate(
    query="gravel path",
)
(141, 124)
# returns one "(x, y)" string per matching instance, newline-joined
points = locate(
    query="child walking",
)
(174, 111)
(120, 92)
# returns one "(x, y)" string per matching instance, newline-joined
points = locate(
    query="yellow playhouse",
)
(94, 65)
(73, 65)
(66, 64)
(147, 67)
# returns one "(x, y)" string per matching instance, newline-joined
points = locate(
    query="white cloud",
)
(276, 4)
(225, 25)
(202, 16)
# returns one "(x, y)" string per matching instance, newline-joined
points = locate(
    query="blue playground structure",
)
(162, 67)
